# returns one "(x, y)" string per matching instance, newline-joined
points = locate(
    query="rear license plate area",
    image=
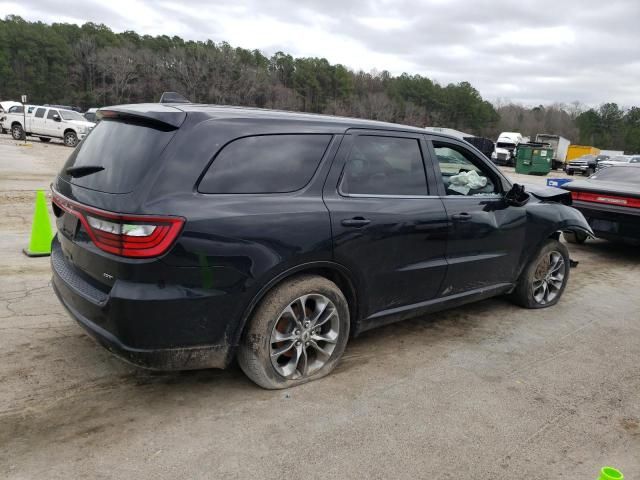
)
(69, 225)
(604, 225)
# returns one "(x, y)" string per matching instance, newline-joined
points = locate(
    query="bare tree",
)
(120, 64)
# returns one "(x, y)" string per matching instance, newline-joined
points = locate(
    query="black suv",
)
(189, 234)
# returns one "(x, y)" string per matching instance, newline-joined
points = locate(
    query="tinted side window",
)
(40, 112)
(265, 164)
(462, 172)
(384, 166)
(51, 114)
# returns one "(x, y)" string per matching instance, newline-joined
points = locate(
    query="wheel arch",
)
(548, 220)
(332, 271)
(70, 129)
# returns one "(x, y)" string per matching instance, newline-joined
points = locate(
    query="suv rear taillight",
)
(607, 199)
(136, 236)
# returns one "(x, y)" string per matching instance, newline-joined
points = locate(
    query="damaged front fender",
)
(548, 218)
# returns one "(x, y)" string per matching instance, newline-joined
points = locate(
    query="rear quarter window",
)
(265, 164)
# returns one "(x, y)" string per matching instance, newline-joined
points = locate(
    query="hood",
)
(81, 123)
(551, 194)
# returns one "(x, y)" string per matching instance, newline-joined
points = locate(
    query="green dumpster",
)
(534, 158)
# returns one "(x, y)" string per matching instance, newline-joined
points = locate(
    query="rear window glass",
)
(618, 174)
(265, 164)
(127, 151)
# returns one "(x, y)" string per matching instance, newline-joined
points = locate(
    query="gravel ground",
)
(483, 391)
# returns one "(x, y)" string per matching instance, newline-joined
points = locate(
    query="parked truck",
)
(560, 146)
(506, 145)
(576, 151)
(47, 123)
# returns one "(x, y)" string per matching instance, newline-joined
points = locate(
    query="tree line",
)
(92, 66)
(607, 127)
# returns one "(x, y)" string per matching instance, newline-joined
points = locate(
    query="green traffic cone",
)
(610, 473)
(41, 235)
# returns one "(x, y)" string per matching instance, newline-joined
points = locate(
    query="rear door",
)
(38, 120)
(486, 235)
(387, 227)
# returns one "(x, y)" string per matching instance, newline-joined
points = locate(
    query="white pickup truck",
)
(47, 123)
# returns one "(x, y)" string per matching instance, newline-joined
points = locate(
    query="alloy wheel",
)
(304, 336)
(548, 277)
(70, 140)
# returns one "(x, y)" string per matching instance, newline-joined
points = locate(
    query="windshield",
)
(618, 174)
(71, 115)
(505, 145)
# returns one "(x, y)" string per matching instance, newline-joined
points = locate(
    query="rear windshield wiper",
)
(83, 170)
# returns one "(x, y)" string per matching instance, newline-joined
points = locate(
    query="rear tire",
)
(281, 324)
(542, 282)
(17, 132)
(575, 237)
(45, 139)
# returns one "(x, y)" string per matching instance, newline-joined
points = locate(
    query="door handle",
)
(356, 222)
(461, 217)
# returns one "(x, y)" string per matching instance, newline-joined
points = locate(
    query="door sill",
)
(398, 314)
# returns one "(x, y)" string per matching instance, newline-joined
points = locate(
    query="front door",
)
(52, 127)
(486, 234)
(387, 228)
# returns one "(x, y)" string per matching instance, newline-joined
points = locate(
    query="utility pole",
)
(24, 116)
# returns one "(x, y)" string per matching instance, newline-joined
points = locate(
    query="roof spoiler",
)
(153, 114)
(173, 97)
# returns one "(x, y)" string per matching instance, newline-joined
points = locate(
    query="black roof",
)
(174, 114)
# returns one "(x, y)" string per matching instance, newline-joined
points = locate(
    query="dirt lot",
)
(484, 391)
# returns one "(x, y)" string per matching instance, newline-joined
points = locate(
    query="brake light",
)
(606, 199)
(136, 236)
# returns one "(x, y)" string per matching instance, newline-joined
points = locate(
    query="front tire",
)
(70, 139)
(542, 282)
(297, 333)
(17, 132)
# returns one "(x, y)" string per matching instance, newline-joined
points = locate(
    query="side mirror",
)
(56, 118)
(517, 197)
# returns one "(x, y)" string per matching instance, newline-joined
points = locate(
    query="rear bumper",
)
(611, 222)
(171, 332)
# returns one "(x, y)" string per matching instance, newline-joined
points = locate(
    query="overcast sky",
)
(531, 52)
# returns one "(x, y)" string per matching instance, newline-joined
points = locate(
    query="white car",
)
(4, 109)
(47, 123)
(619, 160)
